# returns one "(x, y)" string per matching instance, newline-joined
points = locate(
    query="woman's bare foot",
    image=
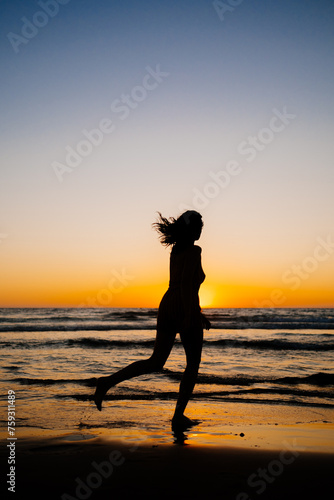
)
(181, 422)
(100, 392)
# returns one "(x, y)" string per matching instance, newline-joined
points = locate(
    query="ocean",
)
(51, 357)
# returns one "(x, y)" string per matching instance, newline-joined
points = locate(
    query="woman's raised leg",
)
(163, 345)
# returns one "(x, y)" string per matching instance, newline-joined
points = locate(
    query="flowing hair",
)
(178, 231)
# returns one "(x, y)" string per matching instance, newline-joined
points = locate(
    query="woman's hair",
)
(181, 231)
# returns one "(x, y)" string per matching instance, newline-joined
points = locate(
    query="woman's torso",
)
(178, 260)
(171, 308)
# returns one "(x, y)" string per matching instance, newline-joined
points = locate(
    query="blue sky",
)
(225, 78)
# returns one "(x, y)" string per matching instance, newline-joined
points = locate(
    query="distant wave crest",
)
(76, 319)
(98, 343)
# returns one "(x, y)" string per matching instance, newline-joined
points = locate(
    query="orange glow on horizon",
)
(149, 295)
(47, 283)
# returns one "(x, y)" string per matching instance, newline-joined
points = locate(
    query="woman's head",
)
(181, 231)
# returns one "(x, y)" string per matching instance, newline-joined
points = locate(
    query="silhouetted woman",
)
(179, 312)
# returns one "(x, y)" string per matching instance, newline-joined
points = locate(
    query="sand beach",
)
(252, 452)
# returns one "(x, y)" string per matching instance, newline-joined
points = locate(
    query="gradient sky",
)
(84, 237)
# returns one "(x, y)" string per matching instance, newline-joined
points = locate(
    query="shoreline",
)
(240, 425)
